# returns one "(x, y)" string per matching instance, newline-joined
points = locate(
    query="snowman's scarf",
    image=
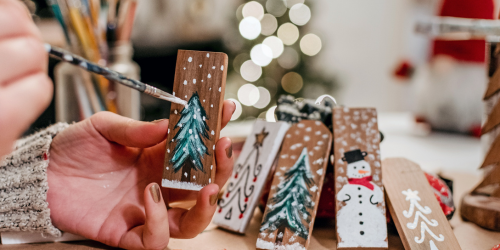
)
(365, 181)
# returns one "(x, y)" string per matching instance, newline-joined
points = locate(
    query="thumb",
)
(129, 132)
(155, 233)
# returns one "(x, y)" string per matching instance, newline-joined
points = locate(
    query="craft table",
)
(454, 156)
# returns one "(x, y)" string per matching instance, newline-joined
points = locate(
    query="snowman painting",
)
(360, 222)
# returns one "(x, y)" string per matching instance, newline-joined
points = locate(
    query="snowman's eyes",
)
(363, 167)
(354, 167)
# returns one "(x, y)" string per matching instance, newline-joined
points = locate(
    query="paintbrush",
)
(111, 75)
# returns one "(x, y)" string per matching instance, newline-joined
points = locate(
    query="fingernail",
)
(155, 192)
(213, 199)
(234, 107)
(229, 151)
(158, 121)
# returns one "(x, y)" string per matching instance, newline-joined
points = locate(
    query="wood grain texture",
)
(492, 120)
(482, 210)
(493, 85)
(493, 155)
(417, 214)
(202, 73)
(293, 200)
(361, 220)
(250, 172)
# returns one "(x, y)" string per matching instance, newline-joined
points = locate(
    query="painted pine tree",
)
(190, 148)
(291, 201)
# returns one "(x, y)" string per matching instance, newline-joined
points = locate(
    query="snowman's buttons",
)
(360, 202)
(360, 214)
(360, 223)
(362, 233)
(360, 196)
(359, 188)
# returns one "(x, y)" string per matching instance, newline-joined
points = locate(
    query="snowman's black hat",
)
(354, 156)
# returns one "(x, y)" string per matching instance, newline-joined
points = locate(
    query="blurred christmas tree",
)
(271, 56)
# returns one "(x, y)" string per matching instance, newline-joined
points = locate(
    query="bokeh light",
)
(239, 14)
(270, 114)
(239, 60)
(261, 54)
(237, 111)
(300, 14)
(248, 94)
(275, 44)
(254, 9)
(290, 3)
(276, 7)
(250, 27)
(250, 71)
(310, 44)
(264, 98)
(292, 82)
(289, 59)
(269, 24)
(288, 33)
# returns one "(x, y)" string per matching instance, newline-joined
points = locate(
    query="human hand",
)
(25, 88)
(101, 175)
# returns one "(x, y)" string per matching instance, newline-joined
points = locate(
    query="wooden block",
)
(493, 85)
(482, 210)
(419, 219)
(293, 200)
(492, 120)
(492, 157)
(200, 79)
(249, 175)
(361, 220)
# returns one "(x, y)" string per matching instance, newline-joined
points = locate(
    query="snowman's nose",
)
(363, 171)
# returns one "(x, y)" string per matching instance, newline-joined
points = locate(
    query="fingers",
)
(15, 20)
(21, 102)
(224, 161)
(189, 223)
(154, 234)
(228, 109)
(21, 56)
(129, 132)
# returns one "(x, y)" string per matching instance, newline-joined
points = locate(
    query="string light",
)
(310, 44)
(288, 33)
(254, 9)
(250, 71)
(276, 7)
(248, 94)
(269, 24)
(261, 55)
(264, 98)
(289, 58)
(300, 14)
(250, 27)
(270, 114)
(275, 44)
(292, 82)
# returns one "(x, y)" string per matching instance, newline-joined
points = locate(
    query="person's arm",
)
(23, 184)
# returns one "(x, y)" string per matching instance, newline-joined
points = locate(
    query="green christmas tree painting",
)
(291, 202)
(190, 148)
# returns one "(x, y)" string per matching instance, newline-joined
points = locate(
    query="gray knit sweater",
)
(24, 186)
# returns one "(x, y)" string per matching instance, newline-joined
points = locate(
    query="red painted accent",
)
(254, 179)
(246, 199)
(45, 157)
(404, 70)
(497, 247)
(236, 175)
(220, 210)
(365, 181)
(227, 195)
(241, 216)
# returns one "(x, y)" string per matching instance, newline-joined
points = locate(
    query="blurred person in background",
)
(96, 178)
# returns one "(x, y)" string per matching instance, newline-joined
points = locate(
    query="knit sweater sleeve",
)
(24, 186)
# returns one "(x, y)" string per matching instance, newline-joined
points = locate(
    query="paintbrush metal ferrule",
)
(111, 75)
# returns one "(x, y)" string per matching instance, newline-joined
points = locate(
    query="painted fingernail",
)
(155, 192)
(229, 151)
(158, 121)
(213, 199)
(234, 106)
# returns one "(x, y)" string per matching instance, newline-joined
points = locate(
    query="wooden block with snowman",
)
(361, 216)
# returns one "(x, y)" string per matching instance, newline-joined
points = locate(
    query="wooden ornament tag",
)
(250, 173)
(293, 200)
(417, 214)
(200, 79)
(361, 220)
